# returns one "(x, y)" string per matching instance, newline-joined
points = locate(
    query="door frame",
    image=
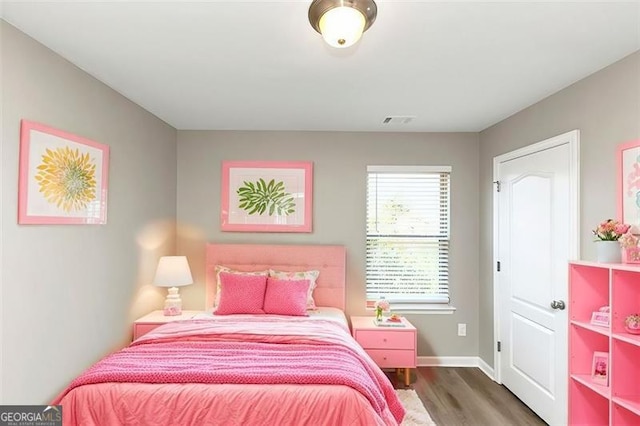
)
(571, 138)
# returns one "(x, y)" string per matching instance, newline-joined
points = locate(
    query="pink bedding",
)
(248, 370)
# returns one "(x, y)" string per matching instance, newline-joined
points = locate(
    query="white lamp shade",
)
(173, 271)
(342, 26)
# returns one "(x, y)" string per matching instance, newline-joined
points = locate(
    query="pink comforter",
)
(249, 352)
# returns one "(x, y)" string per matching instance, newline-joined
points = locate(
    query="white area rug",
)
(416, 415)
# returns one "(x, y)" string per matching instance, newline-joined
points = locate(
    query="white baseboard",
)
(486, 369)
(456, 361)
(448, 361)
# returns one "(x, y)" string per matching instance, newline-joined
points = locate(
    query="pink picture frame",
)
(628, 184)
(63, 178)
(600, 318)
(266, 196)
(600, 368)
(631, 255)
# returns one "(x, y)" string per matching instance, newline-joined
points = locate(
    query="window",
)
(408, 235)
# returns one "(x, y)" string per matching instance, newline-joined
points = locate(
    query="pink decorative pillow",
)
(241, 294)
(220, 268)
(286, 297)
(312, 276)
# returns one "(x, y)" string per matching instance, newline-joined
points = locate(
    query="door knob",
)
(558, 304)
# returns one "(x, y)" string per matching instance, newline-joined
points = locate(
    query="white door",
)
(537, 212)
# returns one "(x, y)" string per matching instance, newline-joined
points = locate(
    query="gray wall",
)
(340, 161)
(70, 292)
(605, 107)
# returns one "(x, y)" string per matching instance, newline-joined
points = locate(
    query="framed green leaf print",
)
(266, 196)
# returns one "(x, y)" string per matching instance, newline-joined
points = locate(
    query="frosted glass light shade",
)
(342, 22)
(342, 26)
(173, 271)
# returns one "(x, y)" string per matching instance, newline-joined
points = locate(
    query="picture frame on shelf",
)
(63, 178)
(266, 196)
(600, 368)
(631, 255)
(600, 318)
(628, 184)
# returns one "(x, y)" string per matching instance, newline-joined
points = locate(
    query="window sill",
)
(424, 308)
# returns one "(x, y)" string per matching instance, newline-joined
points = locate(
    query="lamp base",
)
(173, 303)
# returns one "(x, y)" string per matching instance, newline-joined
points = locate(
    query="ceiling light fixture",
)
(342, 22)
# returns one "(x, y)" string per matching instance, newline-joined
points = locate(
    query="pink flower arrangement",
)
(610, 230)
(381, 306)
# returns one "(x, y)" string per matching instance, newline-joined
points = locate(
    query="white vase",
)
(609, 251)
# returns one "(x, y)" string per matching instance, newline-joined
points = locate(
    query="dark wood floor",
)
(466, 396)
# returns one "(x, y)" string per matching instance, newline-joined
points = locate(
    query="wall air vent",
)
(398, 119)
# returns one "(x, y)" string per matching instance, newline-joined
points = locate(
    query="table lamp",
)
(173, 272)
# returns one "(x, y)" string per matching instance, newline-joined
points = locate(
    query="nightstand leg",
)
(407, 376)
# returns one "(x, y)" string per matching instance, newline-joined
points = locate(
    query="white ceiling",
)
(240, 65)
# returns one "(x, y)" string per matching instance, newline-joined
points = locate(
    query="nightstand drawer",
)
(393, 358)
(142, 329)
(381, 339)
(155, 319)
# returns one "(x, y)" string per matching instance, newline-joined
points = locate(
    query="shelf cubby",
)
(587, 407)
(626, 298)
(588, 290)
(622, 416)
(626, 374)
(582, 344)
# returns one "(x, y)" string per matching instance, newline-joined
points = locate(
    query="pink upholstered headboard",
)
(329, 260)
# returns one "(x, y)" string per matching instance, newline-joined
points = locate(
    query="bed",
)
(243, 369)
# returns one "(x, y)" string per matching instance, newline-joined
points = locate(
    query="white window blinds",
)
(407, 253)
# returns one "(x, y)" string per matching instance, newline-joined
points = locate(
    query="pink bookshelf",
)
(617, 401)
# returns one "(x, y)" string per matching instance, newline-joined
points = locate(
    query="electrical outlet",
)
(462, 329)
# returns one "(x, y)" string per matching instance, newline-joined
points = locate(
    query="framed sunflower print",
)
(63, 178)
(266, 196)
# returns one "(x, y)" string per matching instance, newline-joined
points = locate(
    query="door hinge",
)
(498, 266)
(499, 346)
(497, 182)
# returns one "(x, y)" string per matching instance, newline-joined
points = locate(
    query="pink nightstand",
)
(155, 319)
(389, 347)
